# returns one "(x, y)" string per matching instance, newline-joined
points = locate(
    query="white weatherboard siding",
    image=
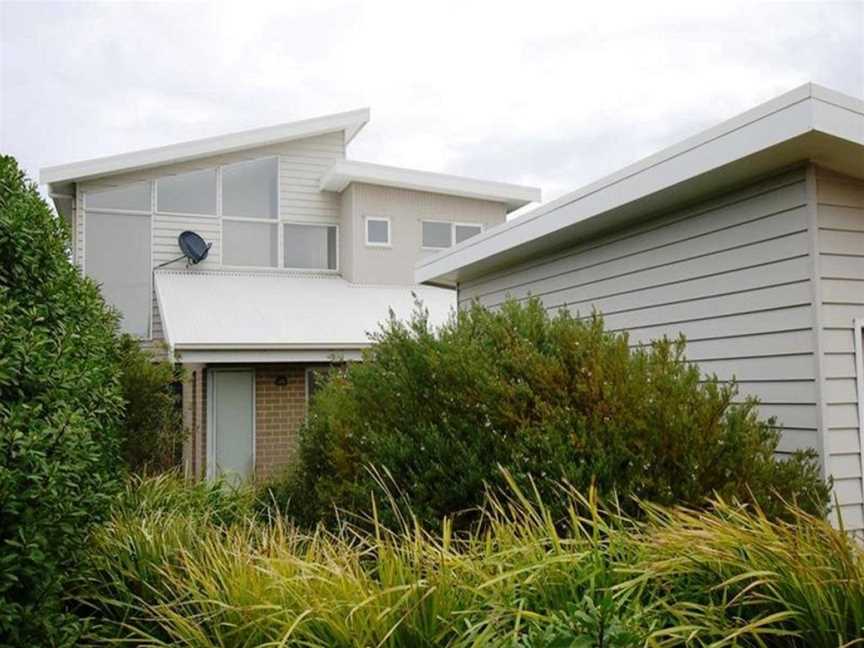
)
(301, 164)
(732, 274)
(840, 205)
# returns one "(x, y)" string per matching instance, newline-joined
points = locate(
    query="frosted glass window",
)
(249, 189)
(463, 232)
(377, 231)
(249, 244)
(436, 235)
(134, 197)
(188, 193)
(117, 256)
(310, 246)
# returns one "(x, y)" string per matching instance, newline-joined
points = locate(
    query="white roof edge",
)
(807, 108)
(351, 122)
(344, 172)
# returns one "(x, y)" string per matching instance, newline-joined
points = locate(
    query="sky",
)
(551, 94)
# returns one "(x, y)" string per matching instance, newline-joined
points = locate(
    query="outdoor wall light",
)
(281, 381)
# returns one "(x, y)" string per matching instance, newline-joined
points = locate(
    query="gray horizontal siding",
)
(840, 209)
(732, 274)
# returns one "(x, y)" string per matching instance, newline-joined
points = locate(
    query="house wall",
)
(733, 274)
(406, 210)
(301, 165)
(279, 412)
(764, 282)
(840, 244)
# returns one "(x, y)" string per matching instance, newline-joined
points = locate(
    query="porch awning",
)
(221, 316)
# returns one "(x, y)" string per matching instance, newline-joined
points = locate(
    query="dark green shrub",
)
(60, 408)
(548, 396)
(152, 420)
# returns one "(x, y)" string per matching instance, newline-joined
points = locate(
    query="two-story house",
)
(309, 253)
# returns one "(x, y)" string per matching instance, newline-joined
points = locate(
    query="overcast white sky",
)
(552, 94)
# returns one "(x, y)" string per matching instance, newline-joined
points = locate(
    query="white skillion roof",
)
(808, 123)
(351, 122)
(344, 172)
(220, 316)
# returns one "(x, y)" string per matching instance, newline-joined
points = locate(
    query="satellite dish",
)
(194, 248)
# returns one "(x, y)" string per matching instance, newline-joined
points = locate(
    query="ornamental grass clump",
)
(519, 576)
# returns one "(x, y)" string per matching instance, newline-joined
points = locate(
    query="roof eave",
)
(350, 122)
(807, 123)
(344, 172)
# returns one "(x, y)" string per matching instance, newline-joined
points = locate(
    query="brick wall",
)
(279, 412)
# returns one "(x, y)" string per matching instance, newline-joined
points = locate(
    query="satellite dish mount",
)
(194, 249)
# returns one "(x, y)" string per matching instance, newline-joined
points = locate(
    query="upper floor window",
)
(117, 251)
(250, 189)
(187, 193)
(378, 232)
(250, 209)
(438, 235)
(310, 247)
(133, 197)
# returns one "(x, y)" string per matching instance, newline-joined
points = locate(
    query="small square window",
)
(378, 232)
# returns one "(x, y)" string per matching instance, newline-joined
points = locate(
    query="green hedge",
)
(552, 397)
(60, 407)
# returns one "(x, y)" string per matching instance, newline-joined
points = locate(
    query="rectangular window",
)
(187, 193)
(117, 256)
(249, 243)
(378, 232)
(437, 234)
(311, 247)
(464, 231)
(134, 197)
(250, 189)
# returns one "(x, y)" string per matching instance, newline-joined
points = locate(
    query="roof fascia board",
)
(350, 122)
(207, 356)
(342, 173)
(783, 118)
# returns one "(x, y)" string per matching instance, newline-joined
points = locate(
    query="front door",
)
(231, 440)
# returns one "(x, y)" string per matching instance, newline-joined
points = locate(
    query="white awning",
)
(220, 316)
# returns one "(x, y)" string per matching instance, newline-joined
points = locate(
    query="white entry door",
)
(231, 425)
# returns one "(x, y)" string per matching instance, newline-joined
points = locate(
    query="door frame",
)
(211, 418)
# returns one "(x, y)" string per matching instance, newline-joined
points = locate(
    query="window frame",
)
(458, 224)
(280, 252)
(453, 225)
(372, 244)
(313, 224)
(440, 222)
(151, 214)
(155, 202)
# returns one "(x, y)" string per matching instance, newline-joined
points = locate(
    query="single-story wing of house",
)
(748, 238)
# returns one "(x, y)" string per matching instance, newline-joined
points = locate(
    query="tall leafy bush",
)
(550, 396)
(152, 421)
(60, 406)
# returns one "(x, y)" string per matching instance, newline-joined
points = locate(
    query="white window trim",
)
(129, 212)
(210, 438)
(243, 219)
(440, 222)
(389, 243)
(156, 179)
(277, 218)
(314, 224)
(453, 225)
